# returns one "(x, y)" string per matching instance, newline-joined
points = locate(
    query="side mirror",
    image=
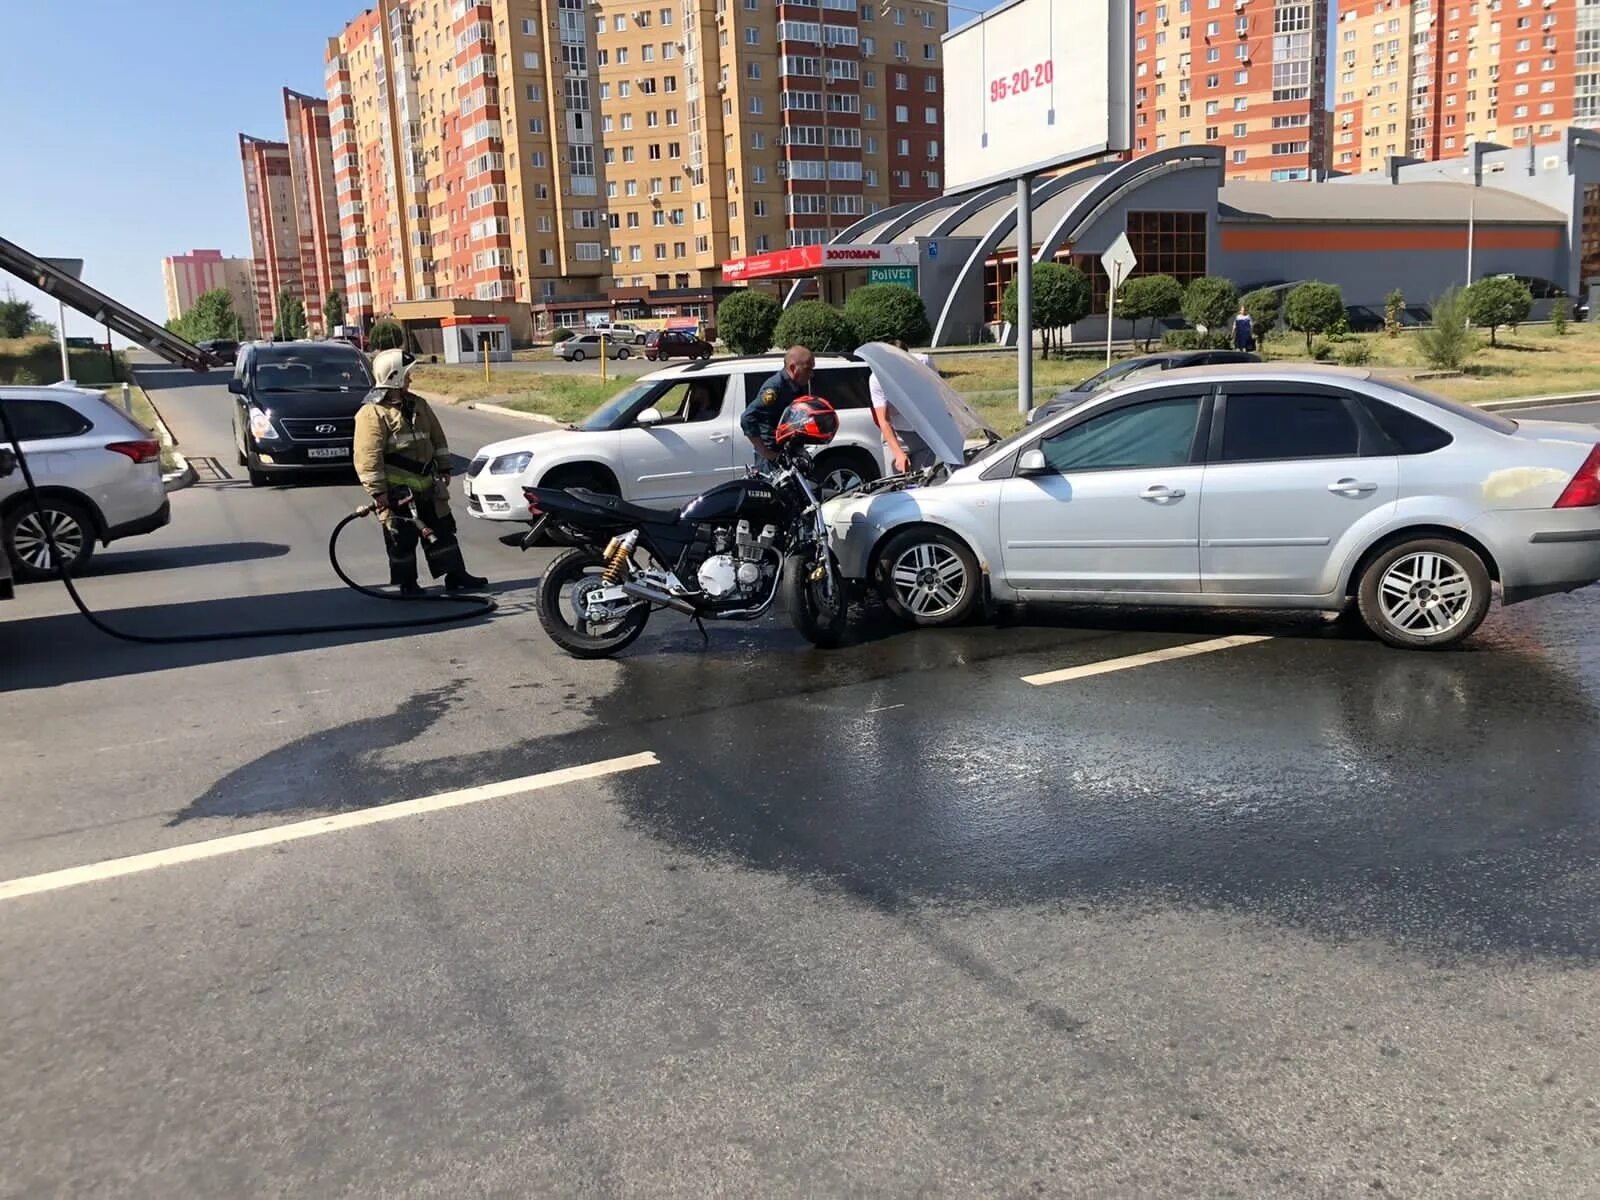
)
(650, 416)
(236, 386)
(1032, 462)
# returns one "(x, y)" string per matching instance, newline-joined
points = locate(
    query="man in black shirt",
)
(760, 419)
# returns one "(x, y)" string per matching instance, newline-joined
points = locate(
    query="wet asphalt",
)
(1303, 917)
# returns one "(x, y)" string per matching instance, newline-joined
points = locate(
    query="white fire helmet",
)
(390, 369)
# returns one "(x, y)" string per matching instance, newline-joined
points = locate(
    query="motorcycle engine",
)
(744, 565)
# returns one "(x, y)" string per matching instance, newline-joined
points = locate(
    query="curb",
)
(1540, 401)
(502, 411)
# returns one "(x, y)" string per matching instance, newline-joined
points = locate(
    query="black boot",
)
(410, 587)
(460, 581)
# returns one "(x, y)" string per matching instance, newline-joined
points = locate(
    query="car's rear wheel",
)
(928, 577)
(28, 548)
(623, 352)
(1424, 594)
(577, 356)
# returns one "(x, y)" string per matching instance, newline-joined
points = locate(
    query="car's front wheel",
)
(1424, 594)
(623, 352)
(928, 577)
(26, 544)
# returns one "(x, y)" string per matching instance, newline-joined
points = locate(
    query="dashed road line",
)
(276, 835)
(1068, 674)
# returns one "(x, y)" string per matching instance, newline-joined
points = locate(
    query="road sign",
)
(1119, 261)
(904, 276)
(933, 249)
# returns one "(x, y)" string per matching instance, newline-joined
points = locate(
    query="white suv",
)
(671, 435)
(98, 474)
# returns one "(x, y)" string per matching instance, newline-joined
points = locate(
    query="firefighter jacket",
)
(399, 443)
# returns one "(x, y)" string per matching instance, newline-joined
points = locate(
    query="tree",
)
(1060, 298)
(333, 310)
(387, 335)
(1394, 304)
(747, 321)
(291, 322)
(1314, 308)
(1447, 343)
(883, 312)
(1264, 306)
(211, 316)
(1151, 297)
(1211, 301)
(818, 326)
(15, 317)
(44, 329)
(1498, 300)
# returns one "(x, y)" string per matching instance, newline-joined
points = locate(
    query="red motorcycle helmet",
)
(809, 421)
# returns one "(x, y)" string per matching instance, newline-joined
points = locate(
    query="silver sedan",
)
(1264, 486)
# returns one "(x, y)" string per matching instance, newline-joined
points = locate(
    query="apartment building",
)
(1428, 79)
(548, 150)
(187, 277)
(274, 227)
(1247, 75)
(316, 207)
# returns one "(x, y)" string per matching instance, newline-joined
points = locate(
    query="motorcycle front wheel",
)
(568, 580)
(820, 620)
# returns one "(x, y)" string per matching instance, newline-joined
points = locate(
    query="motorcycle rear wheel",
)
(566, 579)
(820, 621)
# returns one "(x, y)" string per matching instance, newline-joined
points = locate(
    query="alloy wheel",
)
(31, 546)
(1425, 594)
(838, 480)
(929, 579)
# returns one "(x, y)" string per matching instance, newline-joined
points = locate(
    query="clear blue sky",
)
(125, 116)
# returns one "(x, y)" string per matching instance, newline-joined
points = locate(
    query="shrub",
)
(747, 321)
(24, 377)
(818, 326)
(1393, 305)
(1193, 339)
(1149, 297)
(1558, 317)
(1264, 306)
(1210, 301)
(386, 335)
(882, 312)
(561, 334)
(1060, 298)
(1314, 308)
(1321, 350)
(1497, 300)
(1447, 343)
(1355, 353)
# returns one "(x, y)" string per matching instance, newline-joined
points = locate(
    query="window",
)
(930, 116)
(39, 420)
(1262, 426)
(1159, 433)
(1410, 435)
(902, 114)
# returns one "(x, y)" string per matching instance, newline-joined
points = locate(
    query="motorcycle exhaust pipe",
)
(640, 592)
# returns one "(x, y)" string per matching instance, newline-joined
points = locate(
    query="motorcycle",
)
(729, 555)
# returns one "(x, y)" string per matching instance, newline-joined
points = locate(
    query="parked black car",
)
(295, 406)
(1166, 361)
(675, 343)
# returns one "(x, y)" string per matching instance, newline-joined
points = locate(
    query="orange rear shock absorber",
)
(618, 551)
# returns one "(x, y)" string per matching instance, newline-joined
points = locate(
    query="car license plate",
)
(328, 452)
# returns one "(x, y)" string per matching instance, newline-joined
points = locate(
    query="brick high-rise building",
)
(1429, 78)
(1248, 75)
(274, 228)
(316, 209)
(536, 150)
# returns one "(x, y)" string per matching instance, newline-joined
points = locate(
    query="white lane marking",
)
(1143, 660)
(886, 708)
(115, 868)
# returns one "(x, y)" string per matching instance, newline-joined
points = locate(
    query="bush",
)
(1314, 308)
(747, 321)
(882, 312)
(1355, 353)
(24, 377)
(1321, 350)
(1193, 339)
(1447, 343)
(387, 335)
(561, 334)
(818, 326)
(1210, 301)
(1498, 300)
(1558, 317)
(1149, 297)
(1264, 306)
(1061, 298)
(1393, 305)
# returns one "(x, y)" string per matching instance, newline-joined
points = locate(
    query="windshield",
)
(1113, 372)
(610, 414)
(311, 370)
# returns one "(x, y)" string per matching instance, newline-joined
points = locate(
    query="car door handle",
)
(1158, 492)
(1351, 487)
(721, 437)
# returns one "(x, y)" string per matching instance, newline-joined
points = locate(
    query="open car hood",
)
(931, 406)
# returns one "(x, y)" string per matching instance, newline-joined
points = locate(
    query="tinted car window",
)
(843, 387)
(40, 420)
(310, 367)
(1410, 435)
(1158, 433)
(1278, 425)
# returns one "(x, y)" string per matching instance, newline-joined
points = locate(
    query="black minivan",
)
(295, 406)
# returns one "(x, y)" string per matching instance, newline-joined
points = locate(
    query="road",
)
(1297, 916)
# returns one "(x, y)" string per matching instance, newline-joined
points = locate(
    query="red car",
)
(674, 343)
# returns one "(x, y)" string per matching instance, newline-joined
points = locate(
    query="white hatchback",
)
(98, 473)
(673, 434)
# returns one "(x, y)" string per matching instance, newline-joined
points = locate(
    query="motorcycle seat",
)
(623, 508)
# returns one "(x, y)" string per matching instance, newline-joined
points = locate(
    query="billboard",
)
(1033, 85)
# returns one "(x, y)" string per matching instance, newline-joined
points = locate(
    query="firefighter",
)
(404, 463)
